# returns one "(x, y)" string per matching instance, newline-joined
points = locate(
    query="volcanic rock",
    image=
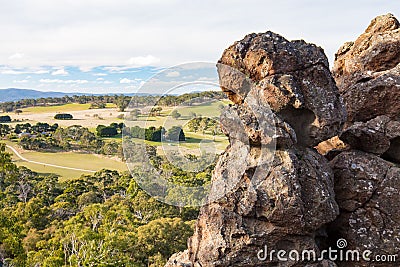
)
(284, 97)
(368, 193)
(370, 136)
(367, 71)
(292, 77)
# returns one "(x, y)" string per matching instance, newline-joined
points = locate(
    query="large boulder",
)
(379, 136)
(368, 194)
(280, 206)
(292, 77)
(367, 71)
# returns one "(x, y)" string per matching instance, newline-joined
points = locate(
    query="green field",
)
(66, 159)
(57, 108)
(209, 109)
(193, 145)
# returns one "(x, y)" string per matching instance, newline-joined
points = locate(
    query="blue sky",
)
(101, 46)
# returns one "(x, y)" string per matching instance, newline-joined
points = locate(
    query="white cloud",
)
(10, 71)
(40, 72)
(126, 81)
(121, 69)
(63, 81)
(16, 56)
(148, 60)
(102, 81)
(61, 72)
(85, 68)
(20, 81)
(173, 74)
(100, 74)
(178, 31)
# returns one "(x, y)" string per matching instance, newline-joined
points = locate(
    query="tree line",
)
(121, 101)
(175, 133)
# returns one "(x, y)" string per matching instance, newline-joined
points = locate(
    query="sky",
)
(99, 46)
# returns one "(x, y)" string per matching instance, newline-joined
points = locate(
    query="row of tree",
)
(175, 133)
(121, 101)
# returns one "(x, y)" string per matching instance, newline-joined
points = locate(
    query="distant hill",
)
(14, 94)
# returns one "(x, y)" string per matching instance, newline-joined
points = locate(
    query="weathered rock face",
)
(378, 136)
(367, 71)
(284, 96)
(298, 188)
(367, 179)
(368, 193)
(290, 198)
(292, 77)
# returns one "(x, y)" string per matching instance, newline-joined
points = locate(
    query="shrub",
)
(63, 116)
(5, 119)
(106, 131)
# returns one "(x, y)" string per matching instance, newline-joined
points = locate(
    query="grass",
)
(67, 159)
(210, 109)
(95, 162)
(193, 144)
(57, 108)
(111, 105)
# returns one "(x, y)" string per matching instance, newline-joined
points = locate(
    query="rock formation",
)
(367, 71)
(283, 198)
(292, 198)
(293, 78)
(367, 179)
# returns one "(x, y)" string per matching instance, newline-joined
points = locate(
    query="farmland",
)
(76, 162)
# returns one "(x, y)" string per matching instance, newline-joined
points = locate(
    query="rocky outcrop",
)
(368, 193)
(367, 71)
(292, 198)
(367, 179)
(296, 188)
(285, 98)
(292, 77)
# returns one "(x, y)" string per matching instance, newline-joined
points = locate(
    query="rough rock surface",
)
(292, 77)
(290, 198)
(296, 188)
(331, 147)
(379, 136)
(368, 193)
(367, 180)
(285, 97)
(367, 71)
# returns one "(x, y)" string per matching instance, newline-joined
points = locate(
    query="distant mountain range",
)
(15, 94)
